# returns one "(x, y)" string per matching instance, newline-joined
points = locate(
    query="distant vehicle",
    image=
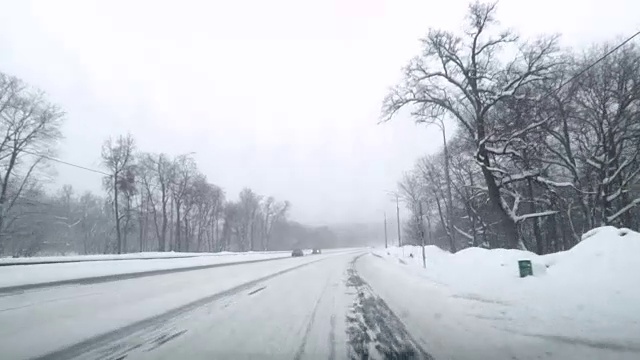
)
(297, 252)
(316, 251)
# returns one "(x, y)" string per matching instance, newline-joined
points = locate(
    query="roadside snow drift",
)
(588, 296)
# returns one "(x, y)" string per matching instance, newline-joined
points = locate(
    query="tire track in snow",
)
(373, 330)
(114, 336)
(332, 337)
(300, 351)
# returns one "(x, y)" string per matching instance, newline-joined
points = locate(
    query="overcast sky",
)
(282, 96)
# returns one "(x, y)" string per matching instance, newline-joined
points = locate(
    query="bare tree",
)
(249, 208)
(156, 174)
(463, 78)
(217, 200)
(118, 157)
(273, 212)
(439, 122)
(608, 99)
(412, 193)
(184, 168)
(92, 222)
(232, 227)
(30, 127)
(433, 189)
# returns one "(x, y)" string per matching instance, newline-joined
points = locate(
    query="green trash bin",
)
(525, 268)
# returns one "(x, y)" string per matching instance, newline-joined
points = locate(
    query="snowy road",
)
(314, 307)
(348, 304)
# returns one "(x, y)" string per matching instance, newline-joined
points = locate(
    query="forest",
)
(151, 202)
(542, 142)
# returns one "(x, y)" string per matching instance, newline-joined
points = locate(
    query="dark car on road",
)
(316, 251)
(297, 252)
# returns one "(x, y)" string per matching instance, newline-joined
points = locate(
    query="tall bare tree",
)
(156, 174)
(29, 128)
(185, 169)
(118, 158)
(273, 212)
(249, 209)
(464, 78)
(608, 98)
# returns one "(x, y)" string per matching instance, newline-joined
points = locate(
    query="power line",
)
(583, 71)
(67, 163)
(572, 78)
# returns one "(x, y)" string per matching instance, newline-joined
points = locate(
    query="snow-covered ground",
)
(582, 303)
(5, 261)
(298, 315)
(35, 323)
(44, 273)
(107, 265)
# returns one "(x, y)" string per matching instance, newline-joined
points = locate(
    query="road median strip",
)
(125, 276)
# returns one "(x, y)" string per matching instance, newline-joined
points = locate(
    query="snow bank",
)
(591, 290)
(135, 256)
(43, 273)
(603, 251)
(88, 266)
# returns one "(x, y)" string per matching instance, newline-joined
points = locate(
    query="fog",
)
(281, 96)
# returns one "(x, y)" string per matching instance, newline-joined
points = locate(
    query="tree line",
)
(545, 145)
(169, 205)
(152, 202)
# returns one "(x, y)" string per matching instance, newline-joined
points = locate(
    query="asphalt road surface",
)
(314, 307)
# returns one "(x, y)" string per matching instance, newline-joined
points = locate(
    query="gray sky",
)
(282, 96)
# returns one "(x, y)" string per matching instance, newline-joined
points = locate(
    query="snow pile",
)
(590, 291)
(603, 252)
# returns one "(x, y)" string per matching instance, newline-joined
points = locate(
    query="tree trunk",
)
(187, 230)
(509, 226)
(117, 213)
(163, 236)
(552, 236)
(141, 233)
(250, 232)
(536, 224)
(178, 245)
(171, 227)
(444, 223)
(451, 232)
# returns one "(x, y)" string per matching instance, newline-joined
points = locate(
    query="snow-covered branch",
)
(534, 215)
(628, 207)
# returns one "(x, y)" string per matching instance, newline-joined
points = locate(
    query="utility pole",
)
(420, 223)
(398, 216)
(429, 228)
(385, 230)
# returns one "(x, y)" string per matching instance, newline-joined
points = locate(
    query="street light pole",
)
(398, 216)
(447, 175)
(420, 223)
(385, 230)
